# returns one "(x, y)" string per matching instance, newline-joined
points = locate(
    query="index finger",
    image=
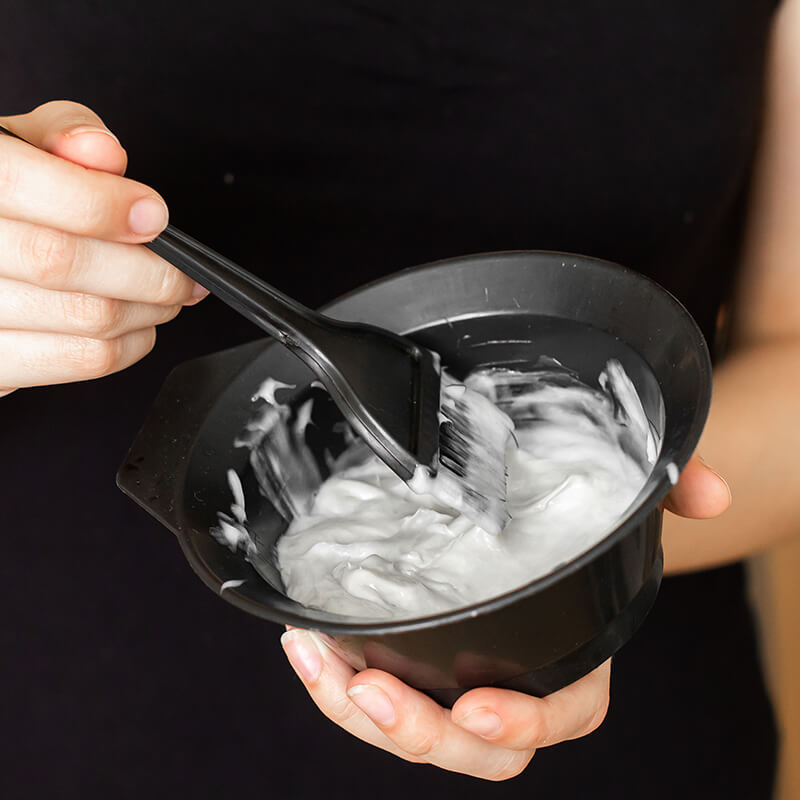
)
(40, 188)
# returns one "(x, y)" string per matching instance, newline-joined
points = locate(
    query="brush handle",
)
(290, 322)
(342, 355)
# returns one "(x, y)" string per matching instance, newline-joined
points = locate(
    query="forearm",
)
(753, 433)
(753, 439)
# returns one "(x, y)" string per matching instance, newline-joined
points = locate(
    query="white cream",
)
(672, 473)
(237, 507)
(369, 546)
(474, 436)
(233, 584)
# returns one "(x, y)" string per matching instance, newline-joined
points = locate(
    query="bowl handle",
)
(153, 471)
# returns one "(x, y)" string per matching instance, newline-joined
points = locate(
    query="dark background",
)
(324, 144)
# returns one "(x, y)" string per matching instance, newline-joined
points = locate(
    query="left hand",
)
(489, 733)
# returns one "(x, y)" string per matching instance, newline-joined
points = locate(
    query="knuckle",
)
(51, 255)
(510, 765)
(95, 358)
(422, 743)
(536, 731)
(341, 711)
(93, 316)
(96, 210)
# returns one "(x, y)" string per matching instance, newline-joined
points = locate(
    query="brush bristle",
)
(473, 437)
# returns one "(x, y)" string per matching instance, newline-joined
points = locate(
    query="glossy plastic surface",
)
(505, 308)
(386, 386)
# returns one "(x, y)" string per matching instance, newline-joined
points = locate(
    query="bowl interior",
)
(498, 309)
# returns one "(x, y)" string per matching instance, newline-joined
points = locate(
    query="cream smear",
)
(363, 543)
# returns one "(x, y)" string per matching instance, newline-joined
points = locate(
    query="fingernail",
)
(199, 292)
(374, 702)
(711, 469)
(303, 652)
(481, 722)
(148, 216)
(78, 129)
(726, 484)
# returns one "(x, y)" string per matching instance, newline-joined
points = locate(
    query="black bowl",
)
(498, 308)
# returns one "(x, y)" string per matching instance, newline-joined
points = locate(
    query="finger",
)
(421, 728)
(32, 358)
(325, 676)
(700, 492)
(73, 132)
(24, 307)
(53, 259)
(42, 188)
(521, 722)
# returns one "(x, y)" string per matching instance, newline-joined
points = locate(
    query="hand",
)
(78, 298)
(489, 733)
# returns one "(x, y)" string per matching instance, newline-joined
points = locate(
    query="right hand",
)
(489, 733)
(79, 298)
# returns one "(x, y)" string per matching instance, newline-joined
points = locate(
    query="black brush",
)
(473, 437)
(388, 388)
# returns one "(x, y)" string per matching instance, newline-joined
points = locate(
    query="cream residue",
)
(672, 473)
(232, 584)
(366, 545)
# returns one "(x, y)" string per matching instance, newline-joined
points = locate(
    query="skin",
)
(752, 435)
(67, 214)
(489, 733)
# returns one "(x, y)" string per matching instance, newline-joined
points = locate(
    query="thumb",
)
(73, 132)
(700, 492)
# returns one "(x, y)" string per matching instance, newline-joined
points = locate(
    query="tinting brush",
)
(388, 388)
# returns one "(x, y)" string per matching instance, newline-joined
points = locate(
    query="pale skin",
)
(752, 435)
(80, 299)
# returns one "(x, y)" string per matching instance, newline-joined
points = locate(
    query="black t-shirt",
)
(323, 144)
